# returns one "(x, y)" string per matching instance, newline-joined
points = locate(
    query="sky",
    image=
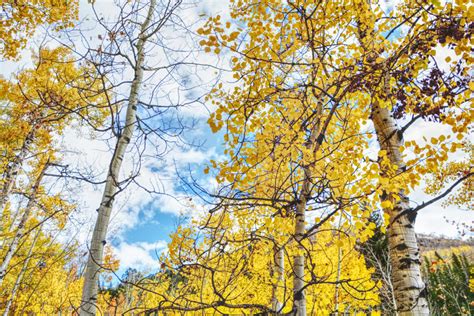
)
(142, 222)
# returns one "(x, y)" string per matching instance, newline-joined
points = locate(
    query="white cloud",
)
(142, 256)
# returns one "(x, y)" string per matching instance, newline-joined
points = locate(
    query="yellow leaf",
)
(386, 204)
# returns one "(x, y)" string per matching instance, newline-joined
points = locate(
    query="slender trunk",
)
(91, 276)
(409, 288)
(11, 172)
(299, 298)
(19, 233)
(203, 282)
(389, 284)
(21, 274)
(336, 294)
(279, 271)
(338, 277)
(387, 290)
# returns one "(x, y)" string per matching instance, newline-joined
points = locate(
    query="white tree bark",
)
(338, 275)
(381, 262)
(409, 288)
(408, 285)
(21, 274)
(11, 172)
(279, 271)
(338, 279)
(13, 246)
(91, 276)
(299, 297)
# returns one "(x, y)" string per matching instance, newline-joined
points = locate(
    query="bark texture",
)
(299, 297)
(314, 142)
(95, 259)
(11, 172)
(409, 288)
(338, 279)
(13, 246)
(279, 272)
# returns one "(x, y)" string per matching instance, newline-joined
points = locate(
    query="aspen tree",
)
(94, 261)
(349, 52)
(41, 277)
(147, 29)
(19, 233)
(238, 279)
(408, 286)
(20, 276)
(294, 113)
(50, 284)
(279, 275)
(40, 102)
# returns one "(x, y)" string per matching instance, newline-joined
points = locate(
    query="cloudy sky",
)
(142, 222)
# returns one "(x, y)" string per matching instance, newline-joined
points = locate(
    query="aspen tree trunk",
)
(21, 274)
(11, 173)
(338, 279)
(279, 270)
(404, 254)
(299, 297)
(409, 288)
(203, 283)
(338, 276)
(91, 276)
(19, 233)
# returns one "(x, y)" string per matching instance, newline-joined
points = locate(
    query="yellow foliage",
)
(50, 281)
(22, 17)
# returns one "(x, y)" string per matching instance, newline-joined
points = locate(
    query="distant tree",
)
(447, 281)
